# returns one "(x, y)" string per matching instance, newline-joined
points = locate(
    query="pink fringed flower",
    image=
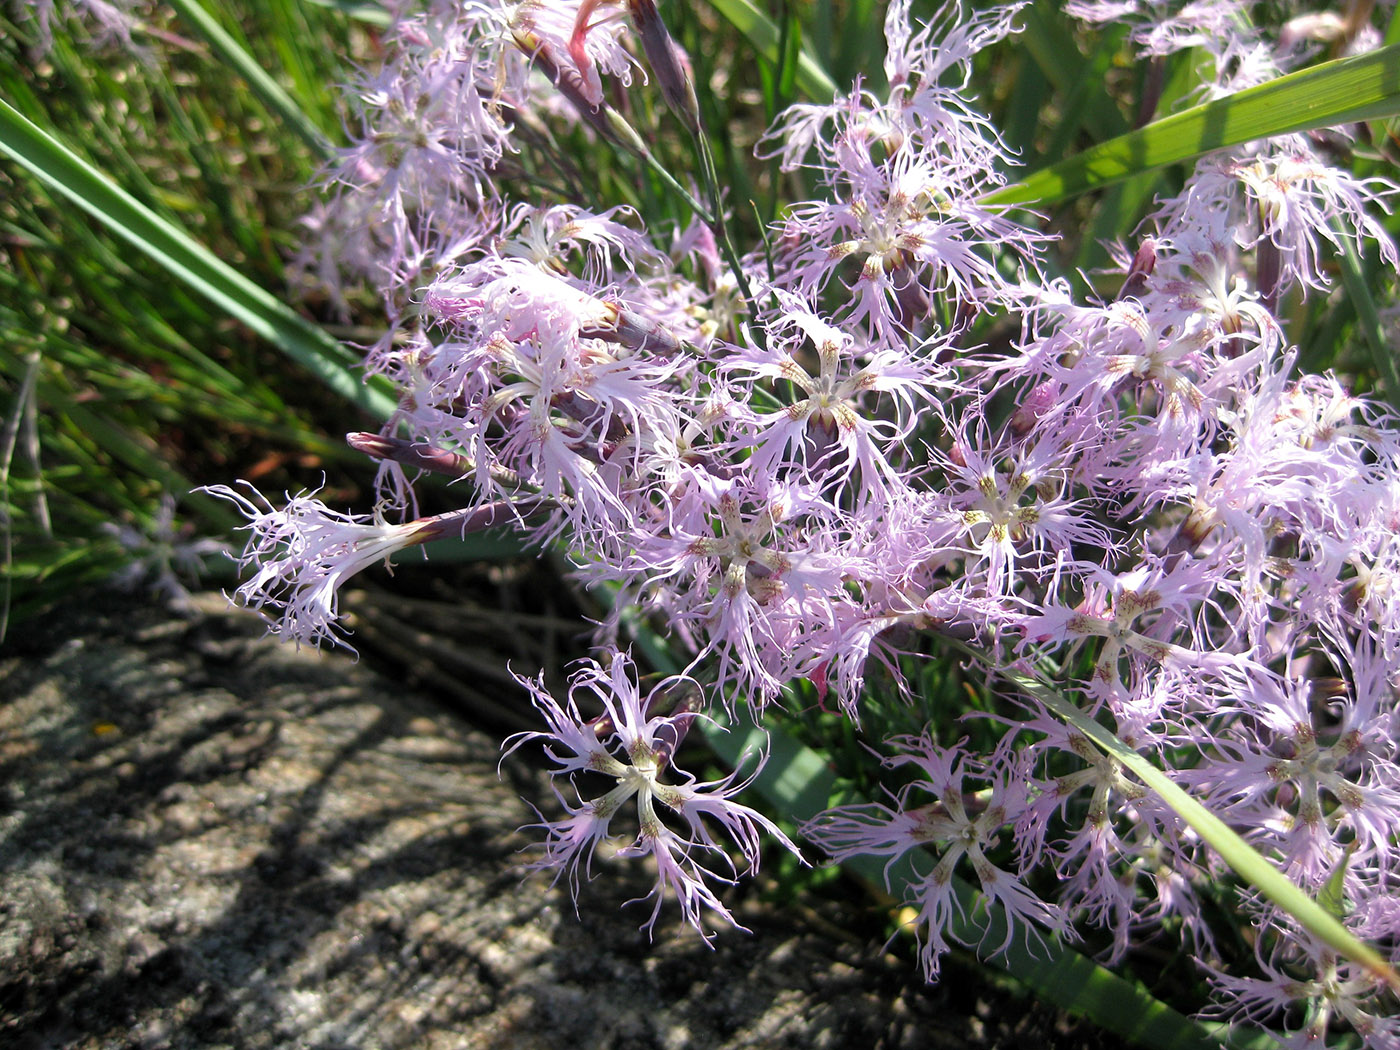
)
(957, 823)
(305, 552)
(635, 746)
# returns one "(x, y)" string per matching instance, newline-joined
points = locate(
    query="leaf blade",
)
(766, 39)
(1348, 90)
(63, 171)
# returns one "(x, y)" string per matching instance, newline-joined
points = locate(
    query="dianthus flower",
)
(108, 21)
(958, 823)
(1142, 615)
(1219, 26)
(1008, 506)
(844, 421)
(1102, 829)
(305, 552)
(578, 43)
(163, 556)
(1312, 788)
(912, 230)
(1306, 985)
(905, 219)
(748, 563)
(634, 742)
(1293, 203)
(547, 388)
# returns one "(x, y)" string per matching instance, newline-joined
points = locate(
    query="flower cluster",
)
(792, 461)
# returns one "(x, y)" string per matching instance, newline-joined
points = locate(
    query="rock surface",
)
(208, 839)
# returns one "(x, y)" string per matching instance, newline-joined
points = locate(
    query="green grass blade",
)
(65, 172)
(268, 91)
(1369, 320)
(766, 39)
(858, 44)
(1348, 90)
(1242, 858)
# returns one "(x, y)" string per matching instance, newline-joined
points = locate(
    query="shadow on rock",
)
(210, 840)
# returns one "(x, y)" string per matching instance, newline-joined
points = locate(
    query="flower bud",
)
(1144, 262)
(1036, 403)
(411, 453)
(668, 62)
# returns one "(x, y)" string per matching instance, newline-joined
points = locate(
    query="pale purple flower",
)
(163, 556)
(1290, 201)
(1105, 835)
(1163, 27)
(749, 563)
(549, 389)
(904, 222)
(578, 40)
(1308, 789)
(305, 552)
(845, 421)
(553, 237)
(905, 232)
(110, 22)
(1007, 505)
(1306, 994)
(920, 57)
(1209, 301)
(434, 125)
(928, 66)
(958, 823)
(634, 743)
(1150, 616)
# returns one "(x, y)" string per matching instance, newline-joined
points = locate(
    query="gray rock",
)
(208, 839)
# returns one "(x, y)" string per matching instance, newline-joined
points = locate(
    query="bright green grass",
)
(119, 384)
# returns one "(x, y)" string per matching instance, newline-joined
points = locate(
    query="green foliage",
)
(1350, 90)
(118, 384)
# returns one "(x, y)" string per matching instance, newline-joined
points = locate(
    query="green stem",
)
(720, 227)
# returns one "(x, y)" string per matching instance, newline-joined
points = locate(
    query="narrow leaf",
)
(1369, 320)
(1348, 90)
(62, 170)
(764, 37)
(1333, 896)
